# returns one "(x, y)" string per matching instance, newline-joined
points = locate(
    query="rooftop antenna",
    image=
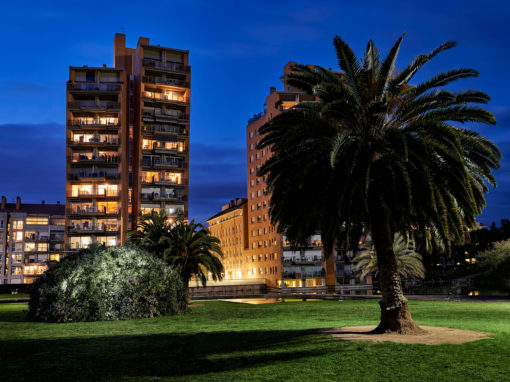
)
(122, 29)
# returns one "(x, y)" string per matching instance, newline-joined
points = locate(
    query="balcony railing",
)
(84, 123)
(161, 182)
(103, 159)
(164, 129)
(94, 175)
(93, 105)
(92, 210)
(166, 65)
(92, 86)
(95, 194)
(162, 196)
(93, 228)
(165, 113)
(172, 162)
(165, 81)
(94, 141)
(165, 97)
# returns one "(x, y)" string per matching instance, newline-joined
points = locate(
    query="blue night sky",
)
(237, 51)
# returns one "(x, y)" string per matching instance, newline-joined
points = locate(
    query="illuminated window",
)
(18, 224)
(56, 221)
(42, 247)
(82, 189)
(107, 189)
(18, 236)
(39, 221)
(29, 247)
(55, 257)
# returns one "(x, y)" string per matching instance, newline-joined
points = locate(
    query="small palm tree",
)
(152, 232)
(191, 248)
(409, 262)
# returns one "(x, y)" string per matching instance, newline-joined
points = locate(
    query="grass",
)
(10, 296)
(227, 341)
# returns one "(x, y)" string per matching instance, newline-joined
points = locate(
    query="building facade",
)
(127, 142)
(266, 254)
(230, 227)
(31, 237)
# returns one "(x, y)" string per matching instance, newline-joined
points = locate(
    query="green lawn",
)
(10, 296)
(226, 341)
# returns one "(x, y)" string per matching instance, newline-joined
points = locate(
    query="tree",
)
(376, 152)
(409, 262)
(494, 267)
(192, 250)
(152, 232)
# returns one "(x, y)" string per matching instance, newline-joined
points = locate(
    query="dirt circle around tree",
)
(435, 335)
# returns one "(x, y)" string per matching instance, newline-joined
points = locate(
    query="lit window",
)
(42, 247)
(29, 247)
(39, 221)
(18, 224)
(18, 236)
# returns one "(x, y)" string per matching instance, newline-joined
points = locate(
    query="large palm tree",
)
(152, 232)
(194, 251)
(379, 153)
(409, 262)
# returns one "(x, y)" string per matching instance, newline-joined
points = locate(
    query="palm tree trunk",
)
(395, 315)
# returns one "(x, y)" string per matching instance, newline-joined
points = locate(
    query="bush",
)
(107, 284)
(494, 267)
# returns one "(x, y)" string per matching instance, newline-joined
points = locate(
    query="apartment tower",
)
(127, 142)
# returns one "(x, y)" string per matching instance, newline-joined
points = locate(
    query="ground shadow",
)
(159, 355)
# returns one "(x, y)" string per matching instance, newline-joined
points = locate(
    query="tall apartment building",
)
(31, 237)
(266, 244)
(127, 141)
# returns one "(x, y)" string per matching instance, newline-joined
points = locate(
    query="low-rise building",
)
(31, 237)
(230, 226)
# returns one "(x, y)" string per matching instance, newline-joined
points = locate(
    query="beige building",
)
(230, 227)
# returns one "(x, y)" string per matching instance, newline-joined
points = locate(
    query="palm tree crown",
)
(372, 138)
(151, 233)
(192, 249)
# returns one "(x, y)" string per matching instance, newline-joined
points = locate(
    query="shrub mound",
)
(107, 284)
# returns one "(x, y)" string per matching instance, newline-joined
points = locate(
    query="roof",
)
(229, 209)
(29, 208)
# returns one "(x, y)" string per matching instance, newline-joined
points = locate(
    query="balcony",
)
(161, 182)
(92, 228)
(165, 81)
(93, 211)
(104, 160)
(95, 142)
(173, 114)
(91, 176)
(166, 66)
(151, 129)
(103, 123)
(159, 162)
(155, 196)
(178, 99)
(93, 87)
(39, 238)
(92, 105)
(160, 148)
(95, 194)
